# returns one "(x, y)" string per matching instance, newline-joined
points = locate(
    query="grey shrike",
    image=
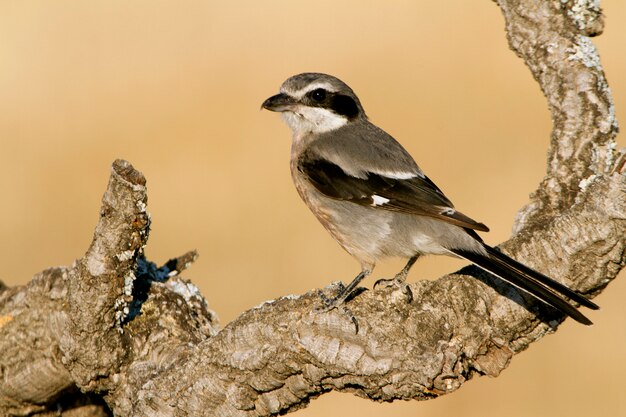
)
(371, 196)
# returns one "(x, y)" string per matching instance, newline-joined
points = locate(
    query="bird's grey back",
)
(362, 147)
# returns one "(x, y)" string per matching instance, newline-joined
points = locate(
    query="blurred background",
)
(176, 88)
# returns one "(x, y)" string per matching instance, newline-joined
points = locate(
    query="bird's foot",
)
(337, 302)
(397, 282)
(333, 302)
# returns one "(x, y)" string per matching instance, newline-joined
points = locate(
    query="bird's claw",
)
(399, 284)
(329, 304)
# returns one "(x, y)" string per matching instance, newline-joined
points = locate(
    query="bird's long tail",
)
(540, 286)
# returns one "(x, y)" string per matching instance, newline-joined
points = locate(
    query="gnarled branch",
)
(114, 331)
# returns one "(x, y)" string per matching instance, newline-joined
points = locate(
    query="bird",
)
(372, 197)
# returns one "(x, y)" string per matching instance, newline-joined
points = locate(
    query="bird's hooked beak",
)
(280, 102)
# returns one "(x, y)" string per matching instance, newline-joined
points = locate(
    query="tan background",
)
(175, 88)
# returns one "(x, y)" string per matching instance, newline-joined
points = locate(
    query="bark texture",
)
(114, 334)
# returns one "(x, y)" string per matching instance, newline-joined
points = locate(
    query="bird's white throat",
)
(304, 119)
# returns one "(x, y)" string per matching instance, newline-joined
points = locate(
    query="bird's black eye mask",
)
(338, 103)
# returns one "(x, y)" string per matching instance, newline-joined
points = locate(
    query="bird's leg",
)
(401, 276)
(400, 279)
(344, 292)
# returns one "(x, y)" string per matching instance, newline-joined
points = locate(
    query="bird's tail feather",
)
(529, 280)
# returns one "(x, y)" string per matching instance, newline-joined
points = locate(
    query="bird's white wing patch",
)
(399, 175)
(378, 200)
(447, 211)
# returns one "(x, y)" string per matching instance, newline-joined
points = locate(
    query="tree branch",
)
(115, 333)
(552, 39)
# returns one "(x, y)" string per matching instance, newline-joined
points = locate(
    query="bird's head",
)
(315, 103)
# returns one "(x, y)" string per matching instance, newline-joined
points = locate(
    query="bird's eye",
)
(318, 95)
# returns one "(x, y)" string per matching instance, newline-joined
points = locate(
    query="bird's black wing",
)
(417, 195)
